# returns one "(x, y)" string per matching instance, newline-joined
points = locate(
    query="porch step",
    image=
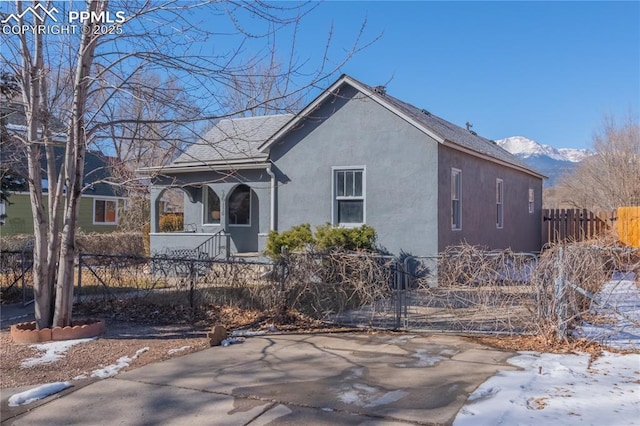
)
(247, 254)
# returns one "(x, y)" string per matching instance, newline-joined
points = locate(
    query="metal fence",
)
(464, 289)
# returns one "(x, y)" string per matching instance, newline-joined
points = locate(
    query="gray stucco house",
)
(354, 155)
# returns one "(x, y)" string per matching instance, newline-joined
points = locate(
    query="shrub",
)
(294, 239)
(146, 238)
(112, 243)
(172, 222)
(327, 237)
(330, 237)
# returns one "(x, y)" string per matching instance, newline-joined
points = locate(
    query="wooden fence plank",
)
(567, 225)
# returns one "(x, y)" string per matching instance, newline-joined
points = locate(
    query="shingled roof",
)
(232, 140)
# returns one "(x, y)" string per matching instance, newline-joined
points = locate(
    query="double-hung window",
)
(456, 199)
(105, 212)
(499, 204)
(531, 200)
(349, 196)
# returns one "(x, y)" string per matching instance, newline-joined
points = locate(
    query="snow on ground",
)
(32, 395)
(570, 389)
(113, 369)
(53, 351)
(178, 350)
(620, 305)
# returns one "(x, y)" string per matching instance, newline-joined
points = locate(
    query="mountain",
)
(546, 159)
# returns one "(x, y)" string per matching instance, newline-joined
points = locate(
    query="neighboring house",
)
(354, 155)
(100, 206)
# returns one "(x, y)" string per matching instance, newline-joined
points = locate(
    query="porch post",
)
(155, 194)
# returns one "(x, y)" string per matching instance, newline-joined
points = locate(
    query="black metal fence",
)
(464, 289)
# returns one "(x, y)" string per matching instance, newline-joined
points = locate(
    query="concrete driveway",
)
(320, 379)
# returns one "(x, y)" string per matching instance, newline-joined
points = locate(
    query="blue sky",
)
(549, 71)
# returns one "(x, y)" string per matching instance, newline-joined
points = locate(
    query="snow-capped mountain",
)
(525, 148)
(550, 161)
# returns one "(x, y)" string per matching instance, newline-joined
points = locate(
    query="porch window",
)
(349, 196)
(240, 206)
(105, 212)
(456, 199)
(211, 206)
(499, 204)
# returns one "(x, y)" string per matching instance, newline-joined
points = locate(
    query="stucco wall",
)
(241, 238)
(400, 166)
(521, 230)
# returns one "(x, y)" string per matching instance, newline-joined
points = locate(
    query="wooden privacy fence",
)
(559, 225)
(629, 225)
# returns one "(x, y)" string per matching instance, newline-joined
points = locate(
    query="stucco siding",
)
(399, 161)
(242, 238)
(521, 229)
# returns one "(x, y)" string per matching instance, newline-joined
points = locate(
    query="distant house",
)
(355, 155)
(100, 206)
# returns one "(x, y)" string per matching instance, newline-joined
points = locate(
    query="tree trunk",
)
(74, 174)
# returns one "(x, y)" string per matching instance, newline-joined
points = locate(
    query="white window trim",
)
(532, 200)
(240, 225)
(455, 171)
(334, 197)
(499, 203)
(93, 211)
(205, 201)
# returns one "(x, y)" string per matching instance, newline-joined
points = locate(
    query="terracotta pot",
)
(26, 332)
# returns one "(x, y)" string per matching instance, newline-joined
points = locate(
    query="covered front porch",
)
(223, 216)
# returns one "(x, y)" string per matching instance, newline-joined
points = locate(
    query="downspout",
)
(272, 201)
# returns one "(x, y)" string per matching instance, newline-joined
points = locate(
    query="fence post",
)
(79, 294)
(397, 284)
(282, 265)
(192, 281)
(24, 284)
(560, 296)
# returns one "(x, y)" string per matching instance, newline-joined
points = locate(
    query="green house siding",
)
(20, 221)
(85, 220)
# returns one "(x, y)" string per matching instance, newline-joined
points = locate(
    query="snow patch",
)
(113, 369)
(35, 394)
(53, 351)
(178, 350)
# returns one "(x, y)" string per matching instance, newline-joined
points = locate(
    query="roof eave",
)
(492, 159)
(203, 167)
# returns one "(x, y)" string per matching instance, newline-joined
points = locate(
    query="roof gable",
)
(435, 127)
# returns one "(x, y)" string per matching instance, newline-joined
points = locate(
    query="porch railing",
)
(214, 246)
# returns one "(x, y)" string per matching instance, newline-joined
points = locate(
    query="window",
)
(349, 197)
(210, 206)
(499, 204)
(240, 206)
(531, 198)
(105, 212)
(456, 199)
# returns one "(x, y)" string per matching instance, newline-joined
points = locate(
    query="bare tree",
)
(103, 66)
(610, 178)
